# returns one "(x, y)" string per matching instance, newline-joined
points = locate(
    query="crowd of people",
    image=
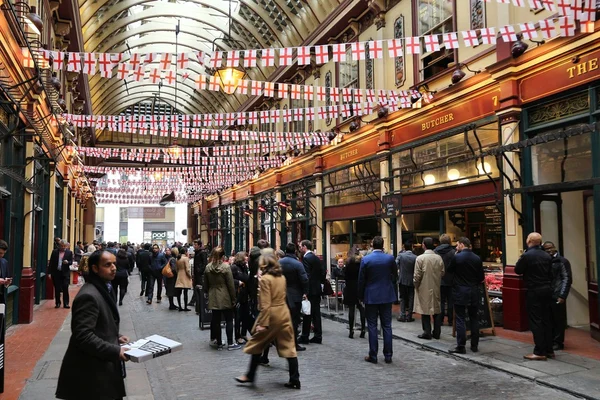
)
(270, 298)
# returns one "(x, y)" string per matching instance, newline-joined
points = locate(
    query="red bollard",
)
(26, 293)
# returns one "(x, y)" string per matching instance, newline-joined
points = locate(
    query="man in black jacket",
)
(297, 286)
(536, 267)
(200, 262)
(93, 366)
(316, 276)
(446, 251)
(467, 269)
(60, 271)
(143, 259)
(561, 285)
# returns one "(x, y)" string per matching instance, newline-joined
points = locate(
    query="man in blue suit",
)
(376, 281)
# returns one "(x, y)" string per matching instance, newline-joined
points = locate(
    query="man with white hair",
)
(60, 271)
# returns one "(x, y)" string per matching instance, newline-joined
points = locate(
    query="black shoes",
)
(186, 309)
(370, 360)
(67, 306)
(120, 303)
(457, 350)
(303, 340)
(424, 336)
(141, 293)
(388, 360)
(300, 348)
(401, 319)
(264, 362)
(174, 308)
(362, 334)
(292, 385)
(244, 379)
(316, 340)
(557, 346)
(436, 337)
(351, 335)
(149, 301)
(57, 306)
(474, 349)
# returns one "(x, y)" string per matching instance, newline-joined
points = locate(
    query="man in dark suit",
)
(536, 267)
(60, 271)
(467, 270)
(93, 366)
(200, 263)
(143, 260)
(316, 276)
(297, 286)
(5, 280)
(157, 262)
(447, 252)
(406, 270)
(376, 287)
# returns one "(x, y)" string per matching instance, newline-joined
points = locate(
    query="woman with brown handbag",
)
(170, 275)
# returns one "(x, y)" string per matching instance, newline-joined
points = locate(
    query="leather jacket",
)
(562, 277)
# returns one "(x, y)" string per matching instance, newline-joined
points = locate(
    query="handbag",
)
(305, 307)
(167, 272)
(327, 289)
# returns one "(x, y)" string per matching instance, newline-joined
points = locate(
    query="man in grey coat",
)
(406, 270)
(297, 286)
(429, 269)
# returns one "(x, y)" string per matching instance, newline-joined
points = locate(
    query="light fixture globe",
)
(484, 169)
(429, 179)
(229, 78)
(453, 174)
(457, 75)
(34, 22)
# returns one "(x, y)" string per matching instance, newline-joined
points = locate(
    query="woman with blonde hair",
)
(273, 323)
(218, 283)
(184, 280)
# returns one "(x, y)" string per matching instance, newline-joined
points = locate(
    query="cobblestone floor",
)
(333, 370)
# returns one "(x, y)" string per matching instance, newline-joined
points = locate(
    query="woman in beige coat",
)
(184, 280)
(273, 323)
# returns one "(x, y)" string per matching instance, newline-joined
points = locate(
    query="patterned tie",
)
(109, 286)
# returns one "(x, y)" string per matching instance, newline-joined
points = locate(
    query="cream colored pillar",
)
(72, 217)
(251, 227)
(384, 173)
(28, 209)
(513, 231)
(66, 216)
(233, 230)
(278, 220)
(400, 244)
(51, 213)
(319, 207)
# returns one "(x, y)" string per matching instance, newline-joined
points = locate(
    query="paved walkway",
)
(334, 370)
(571, 373)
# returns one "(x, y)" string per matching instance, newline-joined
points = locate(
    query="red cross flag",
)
(508, 33)
(268, 57)
(264, 117)
(339, 52)
(370, 95)
(548, 5)
(347, 95)
(106, 65)
(269, 89)
(170, 77)
(59, 58)
(183, 60)
(89, 63)
(296, 92)
(547, 28)
(27, 58)
(243, 87)
(200, 82)
(470, 38)
(275, 116)
(230, 118)
(256, 88)
(450, 40)
(488, 35)
(200, 57)
(135, 60)
(139, 74)
(322, 111)
(303, 55)
(282, 90)
(413, 45)
(375, 49)
(358, 50)
(519, 3)
(285, 56)
(432, 43)
(395, 48)
(358, 95)
(241, 118)
(287, 115)
(321, 54)
(564, 7)
(321, 93)
(252, 118)
(587, 26)
(233, 58)
(566, 26)
(213, 83)
(535, 4)
(528, 30)
(216, 61)
(207, 119)
(165, 62)
(249, 58)
(298, 114)
(309, 93)
(74, 63)
(335, 94)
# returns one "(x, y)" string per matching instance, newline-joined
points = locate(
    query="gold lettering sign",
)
(583, 68)
(444, 119)
(348, 154)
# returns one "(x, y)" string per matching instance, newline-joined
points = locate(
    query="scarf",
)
(109, 297)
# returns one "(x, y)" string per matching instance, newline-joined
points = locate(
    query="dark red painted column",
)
(26, 294)
(513, 301)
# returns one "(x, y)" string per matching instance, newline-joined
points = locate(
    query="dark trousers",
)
(437, 325)
(292, 365)
(185, 297)
(447, 303)
(539, 310)
(461, 328)
(215, 325)
(295, 312)
(61, 285)
(384, 312)
(120, 284)
(154, 276)
(242, 316)
(314, 317)
(407, 301)
(352, 314)
(144, 276)
(559, 322)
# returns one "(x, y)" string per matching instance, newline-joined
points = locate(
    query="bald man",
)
(536, 267)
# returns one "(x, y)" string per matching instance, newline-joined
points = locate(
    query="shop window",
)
(348, 72)
(353, 184)
(369, 68)
(565, 160)
(435, 17)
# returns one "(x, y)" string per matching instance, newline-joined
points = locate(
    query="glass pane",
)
(435, 16)
(340, 238)
(591, 240)
(548, 219)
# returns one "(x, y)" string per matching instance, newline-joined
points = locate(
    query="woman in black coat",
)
(172, 255)
(351, 294)
(121, 280)
(239, 269)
